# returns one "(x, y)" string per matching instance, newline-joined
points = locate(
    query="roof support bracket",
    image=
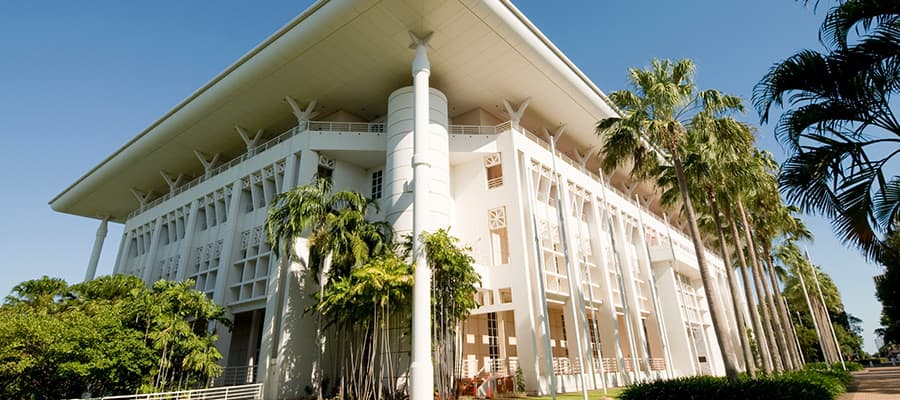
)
(630, 188)
(555, 135)
(303, 115)
(208, 161)
(142, 197)
(251, 142)
(171, 180)
(515, 113)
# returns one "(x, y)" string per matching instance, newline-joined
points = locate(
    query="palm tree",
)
(716, 155)
(758, 330)
(40, 294)
(336, 225)
(782, 222)
(652, 130)
(839, 122)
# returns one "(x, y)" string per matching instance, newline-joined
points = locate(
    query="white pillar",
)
(188, 241)
(124, 249)
(150, 262)
(421, 370)
(542, 312)
(95, 253)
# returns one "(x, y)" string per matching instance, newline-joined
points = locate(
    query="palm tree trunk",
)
(782, 310)
(762, 343)
(749, 364)
(760, 289)
(779, 329)
(709, 286)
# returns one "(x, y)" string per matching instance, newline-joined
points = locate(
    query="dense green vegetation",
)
(112, 335)
(365, 281)
(888, 293)
(808, 384)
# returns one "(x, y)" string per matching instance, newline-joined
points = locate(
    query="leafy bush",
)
(795, 385)
(853, 366)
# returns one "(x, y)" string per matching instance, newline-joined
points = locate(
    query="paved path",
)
(875, 384)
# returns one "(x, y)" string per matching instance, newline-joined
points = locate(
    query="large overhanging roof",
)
(350, 55)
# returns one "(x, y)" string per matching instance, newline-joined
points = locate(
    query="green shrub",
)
(817, 366)
(852, 366)
(795, 385)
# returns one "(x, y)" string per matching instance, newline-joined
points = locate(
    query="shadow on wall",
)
(298, 351)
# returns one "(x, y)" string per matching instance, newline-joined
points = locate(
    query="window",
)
(493, 335)
(499, 236)
(494, 168)
(377, 178)
(505, 295)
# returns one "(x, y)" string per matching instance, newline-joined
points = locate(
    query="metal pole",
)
(655, 297)
(623, 294)
(696, 360)
(421, 370)
(569, 268)
(587, 273)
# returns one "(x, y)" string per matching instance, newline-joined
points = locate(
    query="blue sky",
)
(78, 80)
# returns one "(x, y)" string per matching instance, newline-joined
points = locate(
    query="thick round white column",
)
(95, 253)
(421, 370)
(399, 184)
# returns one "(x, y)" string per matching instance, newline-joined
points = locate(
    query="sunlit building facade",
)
(584, 282)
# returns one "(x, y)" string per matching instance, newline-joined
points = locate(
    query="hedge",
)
(793, 385)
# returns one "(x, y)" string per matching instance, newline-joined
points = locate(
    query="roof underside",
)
(350, 55)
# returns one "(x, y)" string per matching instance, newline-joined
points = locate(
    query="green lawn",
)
(592, 394)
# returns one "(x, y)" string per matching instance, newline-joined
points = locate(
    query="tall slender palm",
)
(781, 222)
(657, 114)
(762, 339)
(839, 122)
(770, 217)
(776, 345)
(716, 155)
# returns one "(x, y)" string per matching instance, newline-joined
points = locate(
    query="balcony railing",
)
(313, 126)
(236, 375)
(680, 240)
(493, 366)
(244, 392)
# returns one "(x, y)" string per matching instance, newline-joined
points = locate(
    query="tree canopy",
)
(111, 335)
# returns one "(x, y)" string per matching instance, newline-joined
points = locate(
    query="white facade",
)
(619, 300)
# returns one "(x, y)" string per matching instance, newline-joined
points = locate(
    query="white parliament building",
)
(584, 282)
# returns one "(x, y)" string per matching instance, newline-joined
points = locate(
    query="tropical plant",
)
(846, 326)
(839, 123)
(662, 106)
(454, 285)
(888, 292)
(715, 158)
(112, 335)
(341, 239)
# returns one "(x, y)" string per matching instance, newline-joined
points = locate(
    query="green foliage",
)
(454, 284)
(455, 281)
(384, 284)
(888, 292)
(795, 385)
(852, 366)
(838, 122)
(520, 381)
(112, 335)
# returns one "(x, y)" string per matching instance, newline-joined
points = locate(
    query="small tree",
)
(454, 285)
